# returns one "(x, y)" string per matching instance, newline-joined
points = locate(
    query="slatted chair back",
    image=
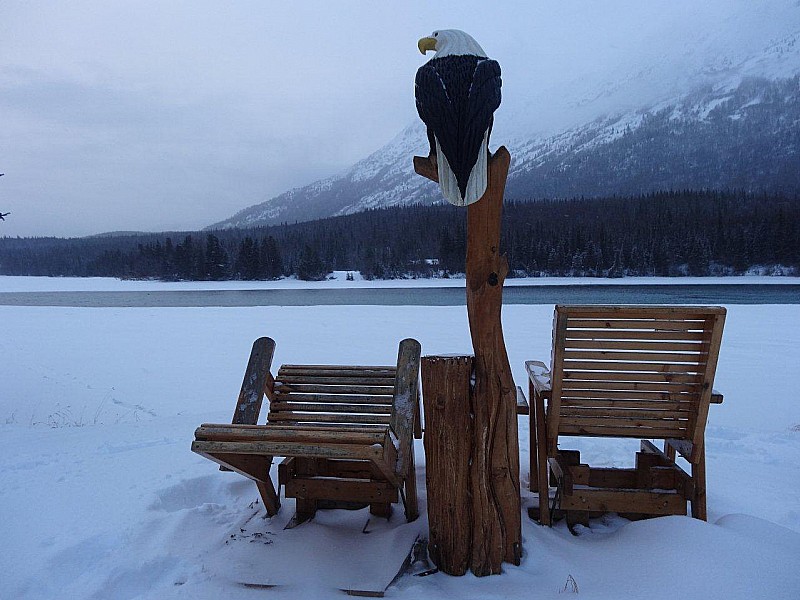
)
(364, 398)
(633, 372)
(336, 395)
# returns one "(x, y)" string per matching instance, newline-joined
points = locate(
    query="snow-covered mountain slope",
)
(744, 138)
(382, 179)
(736, 126)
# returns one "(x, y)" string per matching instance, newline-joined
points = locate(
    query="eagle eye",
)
(436, 34)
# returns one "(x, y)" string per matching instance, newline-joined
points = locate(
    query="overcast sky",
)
(155, 115)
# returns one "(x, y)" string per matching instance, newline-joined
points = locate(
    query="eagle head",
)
(450, 42)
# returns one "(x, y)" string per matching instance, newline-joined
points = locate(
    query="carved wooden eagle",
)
(457, 92)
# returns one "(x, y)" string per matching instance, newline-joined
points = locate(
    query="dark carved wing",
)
(483, 100)
(434, 107)
(457, 106)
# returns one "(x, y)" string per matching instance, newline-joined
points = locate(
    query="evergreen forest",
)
(661, 234)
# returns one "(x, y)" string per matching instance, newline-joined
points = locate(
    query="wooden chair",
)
(625, 372)
(345, 432)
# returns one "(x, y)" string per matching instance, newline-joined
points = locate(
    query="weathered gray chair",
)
(346, 433)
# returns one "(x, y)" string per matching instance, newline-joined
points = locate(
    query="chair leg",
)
(576, 517)
(544, 508)
(410, 485)
(268, 496)
(257, 468)
(540, 450)
(699, 477)
(669, 451)
(534, 472)
(381, 509)
(304, 509)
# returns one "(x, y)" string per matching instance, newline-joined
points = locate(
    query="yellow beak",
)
(426, 43)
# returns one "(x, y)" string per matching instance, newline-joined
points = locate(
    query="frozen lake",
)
(594, 293)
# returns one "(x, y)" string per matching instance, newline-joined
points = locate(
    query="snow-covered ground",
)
(100, 496)
(338, 279)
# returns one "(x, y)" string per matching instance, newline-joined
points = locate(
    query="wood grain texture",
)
(497, 536)
(538, 453)
(334, 398)
(660, 311)
(448, 453)
(382, 409)
(334, 380)
(301, 417)
(360, 368)
(495, 491)
(282, 448)
(271, 433)
(351, 490)
(284, 388)
(640, 502)
(257, 382)
(405, 412)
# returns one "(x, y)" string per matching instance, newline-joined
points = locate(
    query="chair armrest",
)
(539, 376)
(683, 447)
(522, 403)
(258, 381)
(405, 405)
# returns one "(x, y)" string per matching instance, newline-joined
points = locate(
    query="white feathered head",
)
(449, 42)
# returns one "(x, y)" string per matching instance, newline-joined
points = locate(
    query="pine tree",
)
(167, 266)
(248, 264)
(270, 259)
(188, 260)
(216, 259)
(310, 267)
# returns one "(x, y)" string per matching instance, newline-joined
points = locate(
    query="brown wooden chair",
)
(346, 433)
(624, 372)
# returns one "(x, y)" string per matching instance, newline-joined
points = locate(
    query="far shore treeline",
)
(663, 234)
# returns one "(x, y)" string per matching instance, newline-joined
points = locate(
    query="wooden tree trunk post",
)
(496, 527)
(448, 453)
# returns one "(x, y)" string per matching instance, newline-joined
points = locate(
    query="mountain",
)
(735, 126)
(744, 138)
(382, 179)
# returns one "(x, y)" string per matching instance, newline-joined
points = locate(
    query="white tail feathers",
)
(478, 177)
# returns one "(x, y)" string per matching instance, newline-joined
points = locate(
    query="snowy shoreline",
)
(10, 283)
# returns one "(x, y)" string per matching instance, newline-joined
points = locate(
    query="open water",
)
(445, 296)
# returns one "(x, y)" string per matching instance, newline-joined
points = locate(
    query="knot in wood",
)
(493, 279)
(500, 472)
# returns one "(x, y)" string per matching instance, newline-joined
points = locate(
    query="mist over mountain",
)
(724, 114)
